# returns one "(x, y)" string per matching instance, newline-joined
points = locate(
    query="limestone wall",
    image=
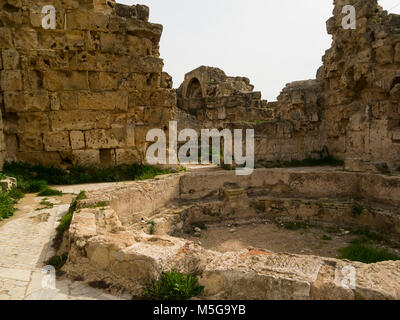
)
(360, 84)
(284, 130)
(86, 92)
(352, 107)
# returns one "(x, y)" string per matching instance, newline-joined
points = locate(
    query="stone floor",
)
(25, 245)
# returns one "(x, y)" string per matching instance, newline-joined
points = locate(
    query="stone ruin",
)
(88, 92)
(114, 244)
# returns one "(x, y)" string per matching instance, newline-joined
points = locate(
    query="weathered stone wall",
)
(217, 100)
(86, 92)
(284, 130)
(89, 91)
(352, 107)
(359, 85)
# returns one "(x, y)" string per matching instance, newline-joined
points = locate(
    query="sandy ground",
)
(269, 236)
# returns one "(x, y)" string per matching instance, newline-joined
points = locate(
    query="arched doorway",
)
(194, 90)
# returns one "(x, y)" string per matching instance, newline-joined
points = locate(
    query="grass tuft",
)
(6, 205)
(357, 209)
(28, 175)
(58, 261)
(152, 225)
(366, 253)
(173, 286)
(47, 192)
(66, 220)
(295, 225)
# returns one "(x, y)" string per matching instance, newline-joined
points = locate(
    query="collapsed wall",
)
(352, 108)
(359, 85)
(284, 130)
(86, 92)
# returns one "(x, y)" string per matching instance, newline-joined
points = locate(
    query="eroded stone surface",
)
(107, 245)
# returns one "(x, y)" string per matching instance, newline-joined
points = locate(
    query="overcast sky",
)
(269, 41)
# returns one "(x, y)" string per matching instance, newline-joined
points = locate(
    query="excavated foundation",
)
(153, 226)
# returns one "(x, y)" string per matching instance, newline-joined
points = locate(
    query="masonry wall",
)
(84, 93)
(284, 130)
(359, 85)
(352, 108)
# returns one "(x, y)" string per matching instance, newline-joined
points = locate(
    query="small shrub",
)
(47, 192)
(35, 186)
(65, 221)
(46, 204)
(152, 227)
(58, 261)
(173, 286)
(295, 225)
(366, 254)
(16, 194)
(366, 235)
(6, 205)
(101, 204)
(357, 209)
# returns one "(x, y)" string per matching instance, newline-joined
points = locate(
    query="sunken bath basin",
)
(147, 227)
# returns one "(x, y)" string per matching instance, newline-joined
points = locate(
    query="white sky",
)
(269, 41)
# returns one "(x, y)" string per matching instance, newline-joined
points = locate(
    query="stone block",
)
(69, 100)
(32, 80)
(139, 46)
(30, 142)
(79, 120)
(56, 141)
(86, 157)
(10, 59)
(14, 102)
(130, 136)
(26, 39)
(77, 139)
(127, 156)
(86, 20)
(36, 101)
(112, 100)
(11, 80)
(105, 139)
(157, 115)
(44, 158)
(5, 38)
(140, 64)
(64, 81)
(99, 81)
(113, 43)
